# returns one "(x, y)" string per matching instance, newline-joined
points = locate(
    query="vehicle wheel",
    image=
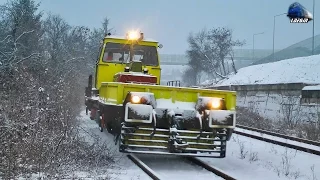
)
(109, 128)
(107, 123)
(93, 114)
(102, 124)
(120, 145)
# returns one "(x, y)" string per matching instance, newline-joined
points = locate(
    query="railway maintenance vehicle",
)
(125, 98)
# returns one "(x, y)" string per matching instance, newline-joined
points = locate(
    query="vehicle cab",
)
(129, 59)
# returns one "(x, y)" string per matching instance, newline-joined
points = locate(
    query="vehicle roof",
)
(123, 37)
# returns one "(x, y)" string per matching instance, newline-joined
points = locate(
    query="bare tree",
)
(196, 55)
(231, 53)
(291, 111)
(55, 36)
(41, 68)
(221, 45)
(208, 50)
(96, 36)
(106, 26)
(190, 77)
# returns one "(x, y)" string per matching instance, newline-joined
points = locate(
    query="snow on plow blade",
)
(173, 120)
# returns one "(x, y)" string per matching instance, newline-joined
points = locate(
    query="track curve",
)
(174, 167)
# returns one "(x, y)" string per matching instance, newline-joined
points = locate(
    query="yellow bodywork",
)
(106, 70)
(115, 92)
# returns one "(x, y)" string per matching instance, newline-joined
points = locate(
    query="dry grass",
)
(308, 130)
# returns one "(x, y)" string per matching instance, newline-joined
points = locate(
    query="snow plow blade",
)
(168, 120)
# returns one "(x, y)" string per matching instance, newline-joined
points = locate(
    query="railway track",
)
(306, 141)
(281, 143)
(144, 167)
(156, 176)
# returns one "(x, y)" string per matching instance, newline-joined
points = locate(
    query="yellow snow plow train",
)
(145, 117)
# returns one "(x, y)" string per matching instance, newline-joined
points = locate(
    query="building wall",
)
(276, 101)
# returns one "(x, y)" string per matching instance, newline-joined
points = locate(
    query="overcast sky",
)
(170, 21)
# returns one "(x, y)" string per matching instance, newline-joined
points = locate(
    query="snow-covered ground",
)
(275, 105)
(175, 168)
(124, 168)
(246, 159)
(301, 69)
(266, 136)
(253, 159)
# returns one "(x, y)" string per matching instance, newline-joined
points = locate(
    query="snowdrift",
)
(295, 70)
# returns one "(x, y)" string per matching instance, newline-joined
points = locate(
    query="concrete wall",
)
(277, 101)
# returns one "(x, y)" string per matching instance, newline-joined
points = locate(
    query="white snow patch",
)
(296, 70)
(41, 89)
(171, 113)
(95, 97)
(311, 88)
(175, 168)
(168, 104)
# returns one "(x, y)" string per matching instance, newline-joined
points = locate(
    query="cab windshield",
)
(120, 53)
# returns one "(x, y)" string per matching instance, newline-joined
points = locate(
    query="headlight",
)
(146, 98)
(210, 103)
(135, 99)
(215, 103)
(133, 35)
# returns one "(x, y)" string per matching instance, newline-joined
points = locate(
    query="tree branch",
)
(220, 75)
(25, 58)
(25, 32)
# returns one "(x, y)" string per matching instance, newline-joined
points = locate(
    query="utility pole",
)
(313, 28)
(274, 31)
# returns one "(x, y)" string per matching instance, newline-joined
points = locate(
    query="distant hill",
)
(300, 49)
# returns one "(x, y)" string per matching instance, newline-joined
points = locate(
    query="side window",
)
(99, 53)
(112, 56)
(113, 53)
(120, 53)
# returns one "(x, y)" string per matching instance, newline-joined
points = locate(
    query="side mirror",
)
(160, 46)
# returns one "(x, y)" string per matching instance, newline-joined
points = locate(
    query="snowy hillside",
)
(302, 69)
